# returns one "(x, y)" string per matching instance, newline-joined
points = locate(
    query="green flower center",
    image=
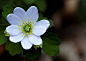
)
(26, 28)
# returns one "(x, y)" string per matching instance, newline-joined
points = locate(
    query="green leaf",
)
(40, 17)
(50, 43)
(81, 13)
(41, 5)
(5, 2)
(32, 53)
(7, 10)
(14, 48)
(28, 2)
(51, 23)
(3, 38)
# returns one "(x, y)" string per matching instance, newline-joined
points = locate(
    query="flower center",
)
(26, 28)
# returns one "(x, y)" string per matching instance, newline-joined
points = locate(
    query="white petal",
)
(25, 43)
(13, 30)
(39, 30)
(36, 40)
(17, 38)
(13, 19)
(32, 14)
(20, 13)
(44, 23)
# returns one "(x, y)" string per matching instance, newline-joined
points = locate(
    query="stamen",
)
(27, 35)
(31, 30)
(22, 31)
(22, 22)
(28, 18)
(18, 26)
(22, 35)
(31, 25)
(32, 20)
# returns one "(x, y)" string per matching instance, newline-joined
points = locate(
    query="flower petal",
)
(32, 14)
(13, 19)
(25, 43)
(39, 30)
(13, 30)
(44, 23)
(20, 13)
(36, 40)
(17, 38)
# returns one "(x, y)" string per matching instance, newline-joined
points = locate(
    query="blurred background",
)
(69, 19)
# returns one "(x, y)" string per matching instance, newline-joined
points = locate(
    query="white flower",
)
(24, 27)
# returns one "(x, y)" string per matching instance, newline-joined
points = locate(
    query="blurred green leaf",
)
(7, 10)
(5, 2)
(50, 43)
(51, 23)
(28, 2)
(82, 11)
(14, 48)
(3, 38)
(32, 53)
(40, 17)
(41, 4)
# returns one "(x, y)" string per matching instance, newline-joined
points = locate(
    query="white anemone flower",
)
(24, 27)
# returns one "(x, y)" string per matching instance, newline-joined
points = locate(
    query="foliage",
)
(50, 43)
(3, 38)
(13, 48)
(32, 53)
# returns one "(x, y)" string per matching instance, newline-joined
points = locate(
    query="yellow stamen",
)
(28, 18)
(22, 35)
(28, 35)
(18, 26)
(31, 25)
(31, 30)
(19, 29)
(30, 22)
(22, 22)
(22, 31)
